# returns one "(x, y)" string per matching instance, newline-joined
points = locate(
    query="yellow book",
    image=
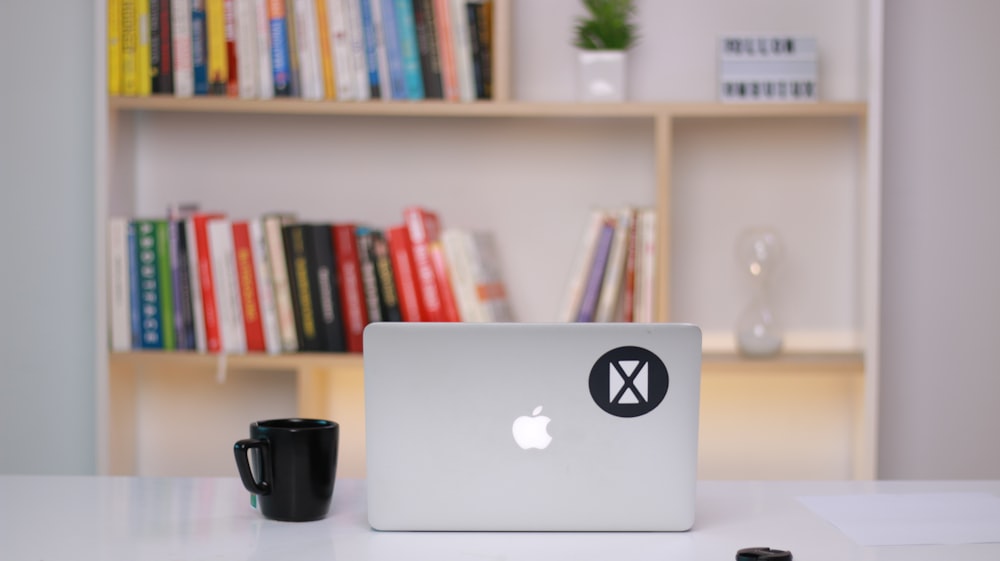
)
(114, 47)
(323, 23)
(143, 58)
(218, 62)
(130, 43)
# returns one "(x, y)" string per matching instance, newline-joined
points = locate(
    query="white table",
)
(55, 518)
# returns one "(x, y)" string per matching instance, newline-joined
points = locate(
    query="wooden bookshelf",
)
(123, 137)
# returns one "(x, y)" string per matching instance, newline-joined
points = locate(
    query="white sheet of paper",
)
(912, 518)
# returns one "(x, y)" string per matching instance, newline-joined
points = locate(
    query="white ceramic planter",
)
(601, 76)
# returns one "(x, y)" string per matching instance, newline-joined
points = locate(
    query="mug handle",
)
(240, 450)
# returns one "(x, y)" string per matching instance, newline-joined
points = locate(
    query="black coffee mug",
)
(295, 463)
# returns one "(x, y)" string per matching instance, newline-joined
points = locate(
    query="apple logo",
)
(532, 432)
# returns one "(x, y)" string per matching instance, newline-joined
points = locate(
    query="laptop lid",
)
(531, 427)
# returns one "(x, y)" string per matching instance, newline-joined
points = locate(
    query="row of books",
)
(205, 282)
(613, 274)
(347, 50)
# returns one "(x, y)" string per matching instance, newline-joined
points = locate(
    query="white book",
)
(194, 273)
(463, 50)
(645, 266)
(486, 272)
(356, 39)
(338, 12)
(180, 31)
(227, 289)
(119, 295)
(581, 266)
(245, 19)
(265, 287)
(279, 280)
(608, 304)
(265, 70)
(307, 45)
(457, 246)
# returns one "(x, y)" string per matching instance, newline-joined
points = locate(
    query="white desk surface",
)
(54, 518)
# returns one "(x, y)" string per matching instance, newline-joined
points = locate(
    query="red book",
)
(449, 306)
(424, 228)
(213, 343)
(232, 86)
(252, 323)
(352, 292)
(398, 239)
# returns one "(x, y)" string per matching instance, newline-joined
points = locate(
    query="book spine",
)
(352, 297)
(479, 40)
(397, 80)
(381, 54)
(430, 62)
(206, 276)
(490, 286)
(227, 289)
(294, 237)
(325, 50)
(180, 281)
(118, 287)
(180, 33)
(253, 323)
(646, 266)
(218, 62)
(608, 304)
(463, 50)
(136, 309)
(592, 289)
(631, 255)
(194, 283)
(265, 287)
(294, 79)
(485, 12)
(232, 68)
(114, 47)
(151, 326)
(264, 71)
(417, 222)
(388, 297)
(371, 47)
(579, 270)
(130, 46)
(446, 49)
(326, 289)
(340, 44)
(405, 277)
(165, 284)
(246, 48)
(369, 278)
(143, 62)
(456, 249)
(278, 264)
(161, 37)
(307, 45)
(409, 50)
(280, 66)
(356, 41)
(199, 47)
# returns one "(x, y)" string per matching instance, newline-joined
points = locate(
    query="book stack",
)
(771, 68)
(346, 50)
(207, 282)
(613, 273)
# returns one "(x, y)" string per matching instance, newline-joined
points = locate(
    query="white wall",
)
(941, 266)
(46, 209)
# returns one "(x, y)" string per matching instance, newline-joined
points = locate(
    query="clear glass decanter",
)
(758, 331)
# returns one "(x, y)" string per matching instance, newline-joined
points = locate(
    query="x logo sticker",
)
(629, 381)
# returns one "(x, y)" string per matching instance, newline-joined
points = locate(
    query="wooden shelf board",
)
(217, 104)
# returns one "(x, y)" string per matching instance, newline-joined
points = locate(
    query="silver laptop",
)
(531, 427)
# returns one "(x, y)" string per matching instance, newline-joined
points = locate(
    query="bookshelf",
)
(142, 139)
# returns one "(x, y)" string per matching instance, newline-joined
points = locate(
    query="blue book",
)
(592, 291)
(199, 47)
(280, 62)
(397, 81)
(133, 285)
(406, 29)
(371, 46)
(150, 314)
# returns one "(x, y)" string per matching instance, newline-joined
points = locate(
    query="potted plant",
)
(603, 36)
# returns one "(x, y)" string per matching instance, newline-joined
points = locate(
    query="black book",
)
(296, 256)
(161, 69)
(427, 46)
(386, 280)
(325, 286)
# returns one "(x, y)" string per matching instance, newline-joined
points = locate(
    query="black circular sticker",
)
(628, 381)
